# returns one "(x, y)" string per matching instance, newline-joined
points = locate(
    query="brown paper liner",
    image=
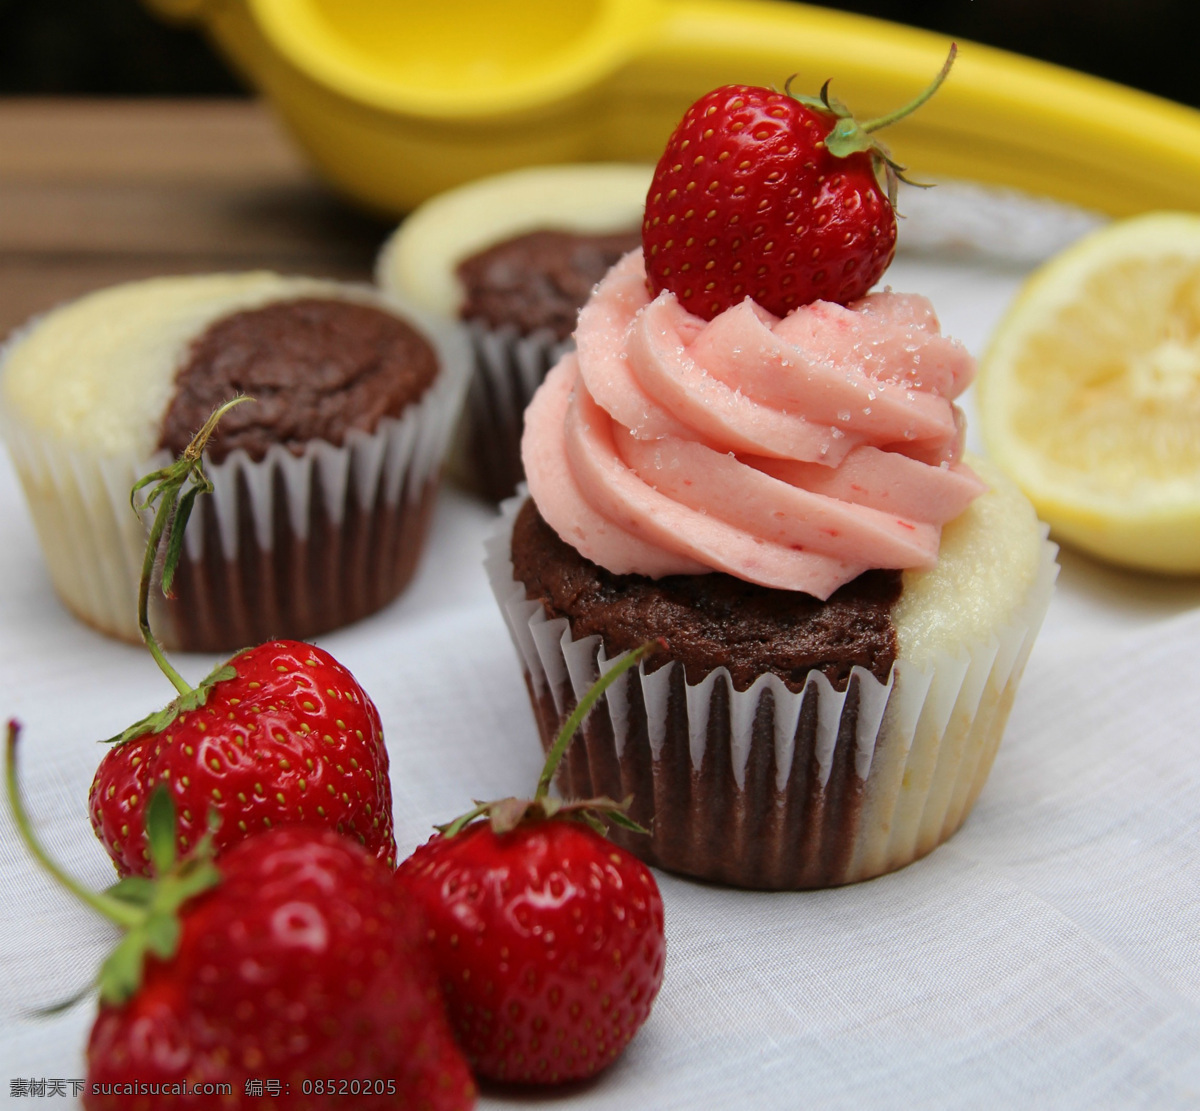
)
(337, 574)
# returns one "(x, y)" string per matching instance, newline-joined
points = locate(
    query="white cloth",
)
(1048, 956)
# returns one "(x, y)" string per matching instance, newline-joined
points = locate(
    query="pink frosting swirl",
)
(795, 452)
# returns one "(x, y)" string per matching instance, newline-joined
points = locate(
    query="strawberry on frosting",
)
(793, 452)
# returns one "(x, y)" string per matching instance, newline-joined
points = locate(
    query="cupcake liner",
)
(291, 545)
(770, 787)
(508, 369)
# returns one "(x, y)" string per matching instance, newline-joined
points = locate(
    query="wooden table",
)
(94, 192)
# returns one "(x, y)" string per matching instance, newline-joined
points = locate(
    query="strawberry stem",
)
(912, 106)
(563, 740)
(147, 910)
(848, 136)
(170, 519)
(118, 912)
(505, 815)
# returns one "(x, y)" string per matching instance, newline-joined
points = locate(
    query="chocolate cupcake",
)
(324, 484)
(847, 605)
(514, 256)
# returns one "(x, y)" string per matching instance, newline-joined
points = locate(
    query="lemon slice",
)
(1089, 393)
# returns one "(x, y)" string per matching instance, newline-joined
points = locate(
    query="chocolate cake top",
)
(539, 280)
(316, 367)
(712, 620)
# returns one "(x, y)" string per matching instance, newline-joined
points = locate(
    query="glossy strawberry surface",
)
(746, 201)
(548, 941)
(301, 977)
(290, 738)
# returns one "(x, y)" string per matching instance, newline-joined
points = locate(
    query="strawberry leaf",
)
(200, 877)
(596, 812)
(593, 823)
(137, 890)
(158, 930)
(620, 818)
(160, 830)
(507, 814)
(176, 531)
(162, 935)
(121, 972)
(65, 1004)
(184, 703)
(455, 827)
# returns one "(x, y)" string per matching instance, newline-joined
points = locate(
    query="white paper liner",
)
(924, 741)
(94, 544)
(507, 370)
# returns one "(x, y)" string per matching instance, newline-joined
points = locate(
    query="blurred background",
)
(115, 48)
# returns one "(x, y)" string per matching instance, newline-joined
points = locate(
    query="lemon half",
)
(1089, 393)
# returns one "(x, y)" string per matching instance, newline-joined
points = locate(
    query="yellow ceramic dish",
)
(396, 100)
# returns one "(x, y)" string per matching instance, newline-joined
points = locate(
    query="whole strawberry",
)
(776, 197)
(295, 962)
(280, 734)
(283, 735)
(549, 942)
(547, 938)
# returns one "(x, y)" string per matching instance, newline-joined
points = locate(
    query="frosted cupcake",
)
(323, 485)
(514, 257)
(847, 604)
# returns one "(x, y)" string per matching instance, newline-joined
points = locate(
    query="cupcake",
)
(758, 462)
(514, 256)
(324, 484)
(844, 637)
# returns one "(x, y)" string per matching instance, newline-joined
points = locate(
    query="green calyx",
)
(191, 699)
(147, 910)
(505, 815)
(848, 136)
